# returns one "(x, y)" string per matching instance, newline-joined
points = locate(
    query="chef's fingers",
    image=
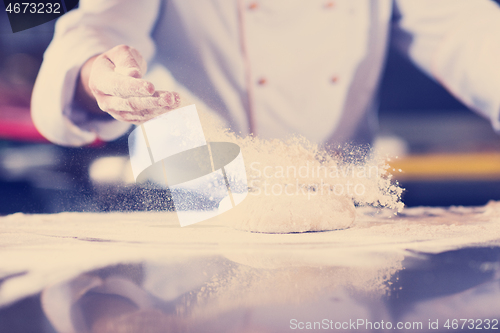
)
(137, 117)
(127, 61)
(104, 79)
(136, 104)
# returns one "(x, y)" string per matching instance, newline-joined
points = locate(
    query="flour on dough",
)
(290, 213)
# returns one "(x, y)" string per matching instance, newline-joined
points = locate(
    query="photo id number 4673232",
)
(471, 324)
(33, 8)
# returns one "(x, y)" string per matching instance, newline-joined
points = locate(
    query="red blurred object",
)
(16, 124)
(15, 116)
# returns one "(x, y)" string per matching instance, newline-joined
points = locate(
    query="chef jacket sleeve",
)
(456, 42)
(95, 27)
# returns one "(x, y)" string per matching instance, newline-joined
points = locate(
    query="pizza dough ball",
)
(284, 213)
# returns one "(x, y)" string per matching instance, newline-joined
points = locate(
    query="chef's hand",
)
(111, 82)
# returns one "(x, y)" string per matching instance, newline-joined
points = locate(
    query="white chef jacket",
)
(272, 68)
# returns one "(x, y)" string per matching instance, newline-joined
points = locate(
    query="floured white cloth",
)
(41, 250)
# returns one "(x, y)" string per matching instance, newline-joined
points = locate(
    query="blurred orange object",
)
(471, 166)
